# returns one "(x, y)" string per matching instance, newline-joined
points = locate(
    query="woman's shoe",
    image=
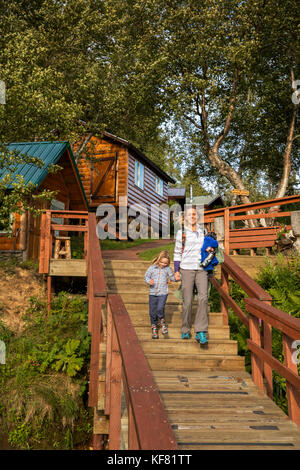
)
(185, 335)
(201, 337)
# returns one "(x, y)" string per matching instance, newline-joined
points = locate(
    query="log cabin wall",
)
(148, 194)
(91, 172)
(13, 242)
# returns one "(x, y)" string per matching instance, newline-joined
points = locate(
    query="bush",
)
(43, 383)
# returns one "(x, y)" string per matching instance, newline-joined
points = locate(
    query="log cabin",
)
(113, 171)
(70, 195)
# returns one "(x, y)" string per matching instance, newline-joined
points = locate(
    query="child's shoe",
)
(163, 326)
(154, 332)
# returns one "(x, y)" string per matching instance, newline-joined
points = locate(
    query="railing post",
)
(293, 395)
(116, 393)
(108, 359)
(267, 345)
(225, 287)
(97, 303)
(226, 230)
(256, 363)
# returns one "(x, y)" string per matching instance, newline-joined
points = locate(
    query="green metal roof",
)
(48, 152)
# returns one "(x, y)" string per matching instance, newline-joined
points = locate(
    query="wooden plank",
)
(233, 239)
(115, 394)
(288, 324)
(69, 215)
(42, 261)
(256, 205)
(95, 345)
(273, 215)
(244, 280)
(292, 391)
(253, 244)
(144, 397)
(68, 267)
(47, 245)
(256, 363)
(69, 228)
(230, 302)
(275, 364)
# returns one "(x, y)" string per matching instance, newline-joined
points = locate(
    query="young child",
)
(157, 277)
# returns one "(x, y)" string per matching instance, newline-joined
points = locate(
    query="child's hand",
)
(151, 282)
(177, 276)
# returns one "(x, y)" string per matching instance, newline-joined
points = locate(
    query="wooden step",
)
(183, 362)
(138, 295)
(173, 317)
(209, 410)
(190, 346)
(214, 332)
(115, 287)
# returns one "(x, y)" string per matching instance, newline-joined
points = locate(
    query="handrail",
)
(242, 235)
(48, 227)
(244, 280)
(148, 425)
(262, 317)
(255, 206)
(96, 284)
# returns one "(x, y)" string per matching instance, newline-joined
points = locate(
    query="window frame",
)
(159, 186)
(137, 174)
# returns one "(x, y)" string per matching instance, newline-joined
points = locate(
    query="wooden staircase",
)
(210, 400)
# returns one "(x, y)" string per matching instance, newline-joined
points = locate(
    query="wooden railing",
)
(126, 366)
(250, 237)
(48, 227)
(261, 318)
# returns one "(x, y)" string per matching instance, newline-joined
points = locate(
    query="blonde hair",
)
(161, 255)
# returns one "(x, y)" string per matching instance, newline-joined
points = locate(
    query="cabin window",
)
(57, 206)
(159, 186)
(139, 174)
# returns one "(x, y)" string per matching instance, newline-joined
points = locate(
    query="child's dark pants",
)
(157, 307)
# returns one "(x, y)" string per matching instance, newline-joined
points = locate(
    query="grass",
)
(148, 255)
(122, 244)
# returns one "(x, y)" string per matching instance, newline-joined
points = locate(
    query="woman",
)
(187, 265)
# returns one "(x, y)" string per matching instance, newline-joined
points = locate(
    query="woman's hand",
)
(177, 276)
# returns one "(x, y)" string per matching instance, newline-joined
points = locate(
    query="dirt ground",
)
(15, 292)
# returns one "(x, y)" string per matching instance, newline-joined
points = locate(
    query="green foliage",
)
(279, 278)
(43, 383)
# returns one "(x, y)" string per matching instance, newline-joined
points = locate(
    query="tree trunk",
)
(287, 164)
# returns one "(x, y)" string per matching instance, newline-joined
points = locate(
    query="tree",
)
(63, 74)
(217, 64)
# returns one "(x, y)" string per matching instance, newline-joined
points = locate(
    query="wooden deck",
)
(211, 402)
